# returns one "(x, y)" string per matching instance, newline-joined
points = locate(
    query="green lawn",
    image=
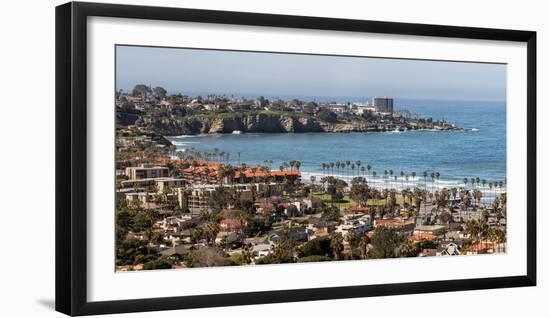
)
(348, 202)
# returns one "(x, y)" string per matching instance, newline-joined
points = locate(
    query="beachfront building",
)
(201, 172)
(146, 171)
(383, 104)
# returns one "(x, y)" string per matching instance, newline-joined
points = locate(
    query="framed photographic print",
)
(208, 158)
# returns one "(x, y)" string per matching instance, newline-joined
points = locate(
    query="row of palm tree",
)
(293, 165)
(388, 176)
(364, 170)
(194, 154)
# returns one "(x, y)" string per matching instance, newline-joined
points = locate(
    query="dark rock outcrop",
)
(268, 123)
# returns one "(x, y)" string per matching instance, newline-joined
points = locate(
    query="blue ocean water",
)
(480, 152)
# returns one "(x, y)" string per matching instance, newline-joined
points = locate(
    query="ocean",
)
(478, 152)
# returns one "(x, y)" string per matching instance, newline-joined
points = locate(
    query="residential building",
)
(196, 198)
(430, 229)
(161, 184)
(146, 171)
(449, 248)
(403, 225)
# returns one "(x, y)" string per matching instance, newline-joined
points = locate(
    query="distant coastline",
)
(182, 115)
(265, 122)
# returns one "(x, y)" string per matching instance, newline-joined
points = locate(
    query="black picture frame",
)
(71, 157)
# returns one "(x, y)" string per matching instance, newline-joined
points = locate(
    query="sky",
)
(239, 73)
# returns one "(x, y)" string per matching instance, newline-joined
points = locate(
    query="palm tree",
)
(402, 174)
(477, 196)
(322, 167)
(353, 240)
(437, 175)
(336, 244)
(391, 175)
(312, 178)
(465, 180)
(348, 163)
(353, 169)
(385, 177)
(471, 227)
(413, 174)
(363, 171)
(369, 167)
(332, 167)
(425, 175)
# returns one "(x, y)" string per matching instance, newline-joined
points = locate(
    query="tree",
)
(158, 264)
(314, 258)
(262, 101)
(141, 90)
(418, 195)
(205, 257)
(477, 194)
(360, 190)
(327, 115)
(385, 243)
(312, 178)
(159, 92)
(330, 214)
(282, 252)
(220, 198)
(353, 240)
(337, 245)
(408, 249)
(318, 246)
(445, 217)
(292, 210)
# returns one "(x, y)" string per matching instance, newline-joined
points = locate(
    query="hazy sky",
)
(206, 71)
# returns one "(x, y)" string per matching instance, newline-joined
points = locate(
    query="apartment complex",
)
(146, 171)
(197, 197)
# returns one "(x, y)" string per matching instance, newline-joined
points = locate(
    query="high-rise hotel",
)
(383, 104)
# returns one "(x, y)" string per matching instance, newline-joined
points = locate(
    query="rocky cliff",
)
(258, 123)
(267, 123)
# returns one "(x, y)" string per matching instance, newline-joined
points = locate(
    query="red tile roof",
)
(393, 222)
(359, 208)
(426, 236)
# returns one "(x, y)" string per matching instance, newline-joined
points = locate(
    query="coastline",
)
(285, 123)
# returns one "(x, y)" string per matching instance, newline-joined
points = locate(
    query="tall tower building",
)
(383, 104)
